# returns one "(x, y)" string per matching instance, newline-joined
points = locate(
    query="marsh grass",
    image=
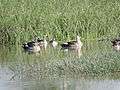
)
(22, 20)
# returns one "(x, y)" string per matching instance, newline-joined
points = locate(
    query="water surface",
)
(97, 68)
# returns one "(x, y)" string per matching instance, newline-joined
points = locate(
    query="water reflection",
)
(62, 85)
(54, 63)
(97, 67)
(5, 73)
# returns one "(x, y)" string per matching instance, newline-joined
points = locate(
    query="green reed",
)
(22, 20)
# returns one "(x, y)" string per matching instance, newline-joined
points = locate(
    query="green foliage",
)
(22, 20)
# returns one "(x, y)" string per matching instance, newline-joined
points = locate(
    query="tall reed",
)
(22, 20)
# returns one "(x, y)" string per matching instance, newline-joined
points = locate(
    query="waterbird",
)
(116, 44)
(42, 42)
(72, 45)
(31, 46)
(35, 45)
(53, 43)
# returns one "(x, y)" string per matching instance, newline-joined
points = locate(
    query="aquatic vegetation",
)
(97, 65)
(98, 61)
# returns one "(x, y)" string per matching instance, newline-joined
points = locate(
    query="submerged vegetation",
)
(98, 65)
(98, 61)
(22, 20)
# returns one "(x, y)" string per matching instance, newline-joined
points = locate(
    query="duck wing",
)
(51, 41)
(31, 44)
(115, 41)
(28, 45)
(64, 45)
(72, 43)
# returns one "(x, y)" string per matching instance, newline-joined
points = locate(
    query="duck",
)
(31, 46)
(116, 44)
(53, 43)
(42, 42)
(35, 45)
(72, 45)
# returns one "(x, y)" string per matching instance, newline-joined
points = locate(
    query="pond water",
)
(97, 67)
